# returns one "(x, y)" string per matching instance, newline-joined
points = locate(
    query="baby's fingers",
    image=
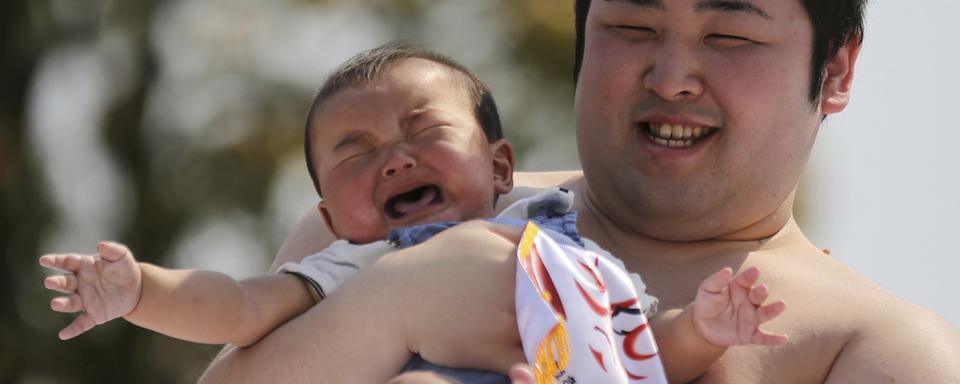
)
(81, 324)
(769, 339)
(64, 262)
(748, 277)
(67, 304)
(770, 312)
(62, 283)
(717, 282)
(112, 251)
(758, 294)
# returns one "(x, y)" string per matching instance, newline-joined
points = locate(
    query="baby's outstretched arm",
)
(728, 311)
(198, 306)
(101, 288)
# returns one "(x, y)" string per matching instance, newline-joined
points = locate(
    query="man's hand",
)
(729, 310)
(101, 287)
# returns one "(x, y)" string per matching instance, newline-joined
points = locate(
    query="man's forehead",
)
(746, 6)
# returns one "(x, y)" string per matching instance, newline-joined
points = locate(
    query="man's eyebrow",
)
(657, 4)
(731, 6)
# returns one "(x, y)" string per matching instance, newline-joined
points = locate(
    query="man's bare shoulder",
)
(843, 327)
(903, 342)
(888, 339)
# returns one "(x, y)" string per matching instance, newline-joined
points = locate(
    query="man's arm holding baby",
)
(367, 341)
(394, 308)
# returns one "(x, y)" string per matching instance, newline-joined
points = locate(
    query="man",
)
(694, 121)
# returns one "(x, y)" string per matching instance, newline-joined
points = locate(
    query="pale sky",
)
(883, 192)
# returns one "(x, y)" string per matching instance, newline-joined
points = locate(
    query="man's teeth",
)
(673, 143)
(675, 136)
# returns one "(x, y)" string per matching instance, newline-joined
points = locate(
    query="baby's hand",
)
(729, 309)
(101, 287)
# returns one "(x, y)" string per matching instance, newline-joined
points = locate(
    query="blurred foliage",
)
(171, 174)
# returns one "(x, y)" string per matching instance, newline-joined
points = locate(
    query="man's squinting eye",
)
(635, 31)
(727, 41)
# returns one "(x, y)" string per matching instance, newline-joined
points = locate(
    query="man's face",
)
(403, 150)
(692, 115)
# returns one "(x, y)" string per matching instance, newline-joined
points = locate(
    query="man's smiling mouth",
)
(676, 136)
(413, 201)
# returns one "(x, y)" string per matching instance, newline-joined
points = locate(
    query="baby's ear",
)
(501, 152)
(325, 213)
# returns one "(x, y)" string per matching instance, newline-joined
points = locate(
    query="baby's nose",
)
(397, 163)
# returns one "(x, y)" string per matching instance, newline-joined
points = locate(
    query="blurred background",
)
(175, 127)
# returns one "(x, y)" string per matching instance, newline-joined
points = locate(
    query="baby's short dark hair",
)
(367, 66)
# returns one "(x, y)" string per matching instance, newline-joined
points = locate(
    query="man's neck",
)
(774, 230)
(673, 270)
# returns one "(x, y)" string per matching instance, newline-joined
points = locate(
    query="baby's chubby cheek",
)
(357, 226)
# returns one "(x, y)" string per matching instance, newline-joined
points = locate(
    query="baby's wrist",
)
(140, 282)
(698, 329)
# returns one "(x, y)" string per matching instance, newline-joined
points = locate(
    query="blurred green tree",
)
(196, 108)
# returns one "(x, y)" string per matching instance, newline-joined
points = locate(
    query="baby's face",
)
(404, 150)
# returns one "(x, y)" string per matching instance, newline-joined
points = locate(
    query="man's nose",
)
(398, 161)
(674, 75)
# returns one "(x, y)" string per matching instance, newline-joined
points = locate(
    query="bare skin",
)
(418, 284)
(843, 327)
(676, 211)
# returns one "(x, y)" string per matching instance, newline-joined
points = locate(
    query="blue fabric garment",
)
(561, 226)
(564, 224)
(466, 376)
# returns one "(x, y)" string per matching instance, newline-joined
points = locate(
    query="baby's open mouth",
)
(413, 201)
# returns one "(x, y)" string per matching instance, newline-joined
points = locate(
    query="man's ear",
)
(322, 208)
(502, 153)
(838, 78)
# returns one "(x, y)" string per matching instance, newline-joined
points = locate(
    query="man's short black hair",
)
(835, 23)
(367, 66)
